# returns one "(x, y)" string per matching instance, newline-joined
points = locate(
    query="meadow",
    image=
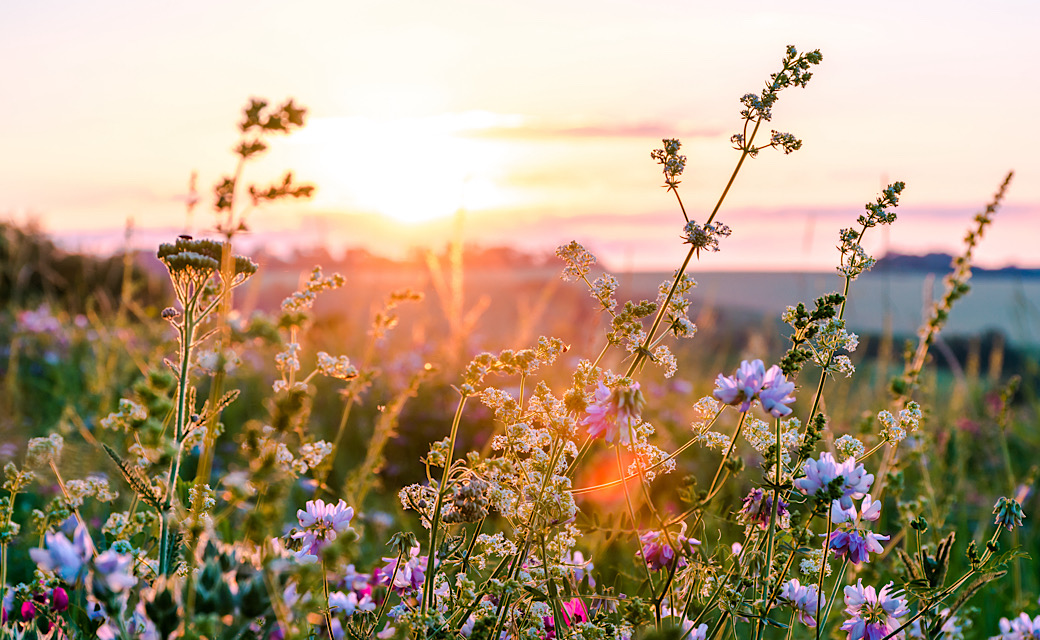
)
(200, 445)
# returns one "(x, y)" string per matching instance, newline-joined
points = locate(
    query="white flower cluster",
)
(849, 447)
(311, 454)
(811, 566)
(895, 431)
(288, 361)
(761, 436)
(305, 297)
(579, 260)
(831, 337)
(336, 367)
(123, 420)
(91, 487)
(647, 455)
(603, 289)
(208, 361)
(44, 452)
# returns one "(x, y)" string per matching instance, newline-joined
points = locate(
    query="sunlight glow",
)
(409, 169)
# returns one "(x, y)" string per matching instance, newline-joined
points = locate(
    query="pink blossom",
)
(803, 599)
(320, 523)
(820, 473)
(614, 414)
(872, 614)
(658, 553)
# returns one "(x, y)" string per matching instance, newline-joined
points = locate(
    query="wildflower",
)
(321, 523)
(115, 571)
(812, 565)
(59, 600)
(803, 599)
(819, 474)
(42, 452)
(614, 414)
(856, 547)
(751, 382)
(658, 552)
(1009, 513)
(758, 509)
(66, 559)
(872, 613)
(409, 576)
(849, 447)
(705, 237)
(741, 389)
(1019, 628)
(580, 566)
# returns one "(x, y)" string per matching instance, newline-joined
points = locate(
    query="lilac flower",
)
(580, 566)
(776, 393)
(803, 599)
(820, 473)
(348, 603)
(758, 509)
(872, 614)
(856, 547)
(67, 559)
(1019, 628)
(410, 576)
(321, 523)
(741, 388)
(114, 571)
(753, 381)
(614, 414)
(658, 553)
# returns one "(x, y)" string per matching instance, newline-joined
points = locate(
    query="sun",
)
(409, 169)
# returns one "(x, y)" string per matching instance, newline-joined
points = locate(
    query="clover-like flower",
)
(614, 414)
(659, 554)
(804, 599)
(856, 547)
(67, 559)
(819, 474)
(753, 382)
(872, 614)
(320, 523)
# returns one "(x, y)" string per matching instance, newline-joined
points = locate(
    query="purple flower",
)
(1019, 628)
(776, 393)
(67, 559)
(614, 414)
(758, 509)
(658, 553)
(321, 523)
(819, 474)
(856, 547)
(114, 570)
(410, 576)
(59, 600)
(741, 388)
(28, 610)
(803, 599)
(872, 614)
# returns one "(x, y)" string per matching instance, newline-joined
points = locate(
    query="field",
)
(484, 444)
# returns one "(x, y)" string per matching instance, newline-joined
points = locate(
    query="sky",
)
(535, 119)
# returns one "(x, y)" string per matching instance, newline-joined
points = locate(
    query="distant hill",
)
(940, 263)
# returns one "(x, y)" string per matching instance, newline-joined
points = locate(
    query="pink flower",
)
(776, 393)
(658, 553)
(59, 600)
(872, 614)
(803, 599)
(855, 546)
(614, 414)
(320, 523)
(410, 576)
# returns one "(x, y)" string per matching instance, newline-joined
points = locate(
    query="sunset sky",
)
(537, 118)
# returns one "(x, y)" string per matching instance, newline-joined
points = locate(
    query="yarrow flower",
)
(752, 382)
(614, 414)
(872, 614)
(659, 554)
(320, 523)
(820, 474)
(804, 599)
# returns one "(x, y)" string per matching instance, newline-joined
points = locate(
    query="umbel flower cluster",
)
(562, 496)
